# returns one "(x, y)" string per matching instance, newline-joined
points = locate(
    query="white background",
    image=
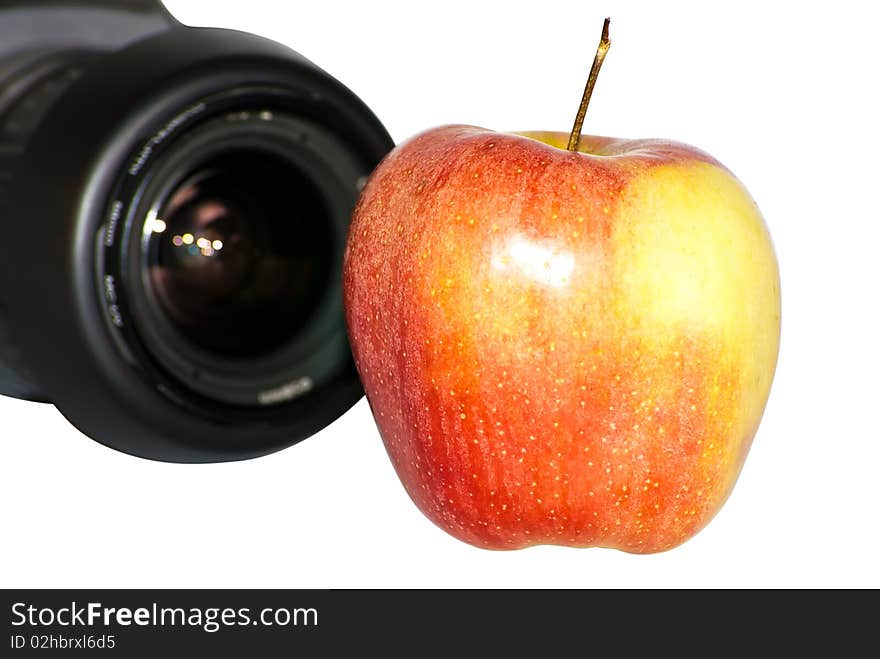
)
(784, 94)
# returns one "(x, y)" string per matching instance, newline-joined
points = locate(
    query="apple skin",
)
(562, 348)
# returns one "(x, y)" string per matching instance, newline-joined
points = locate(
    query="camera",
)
(174, 204)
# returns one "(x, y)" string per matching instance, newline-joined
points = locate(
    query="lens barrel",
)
(174, 214)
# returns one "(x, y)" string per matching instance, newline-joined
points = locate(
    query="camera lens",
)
(231, 273)
(239, 255)
(174, 211)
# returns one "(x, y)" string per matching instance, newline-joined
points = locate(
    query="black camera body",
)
(174, 204)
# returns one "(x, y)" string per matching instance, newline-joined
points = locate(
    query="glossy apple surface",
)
(562, 348)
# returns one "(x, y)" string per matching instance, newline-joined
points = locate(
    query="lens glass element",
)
(240, 253)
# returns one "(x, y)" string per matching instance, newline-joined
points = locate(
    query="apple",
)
(562, 347)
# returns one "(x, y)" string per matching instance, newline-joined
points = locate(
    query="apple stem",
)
(575, 137)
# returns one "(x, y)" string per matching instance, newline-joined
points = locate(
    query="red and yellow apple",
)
(562, 347)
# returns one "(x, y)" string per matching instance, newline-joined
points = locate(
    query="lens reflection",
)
(240, 255)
